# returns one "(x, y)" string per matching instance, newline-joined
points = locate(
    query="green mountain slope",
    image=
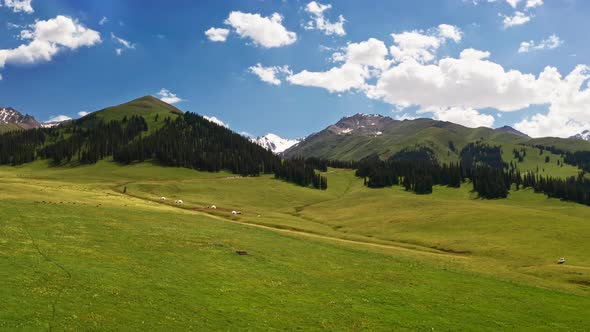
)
(344, 142)
(150, 108)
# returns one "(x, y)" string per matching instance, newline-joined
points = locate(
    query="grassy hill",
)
(430, 133)
(148, 107)
(93, 247)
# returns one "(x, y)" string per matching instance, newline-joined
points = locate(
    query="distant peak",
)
(510, 130)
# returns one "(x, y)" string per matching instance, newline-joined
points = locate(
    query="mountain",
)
(362, 124)
(510, 130)
(148, 129)
(11, 119)
(585, 135)
(361, 135)
(275, 143)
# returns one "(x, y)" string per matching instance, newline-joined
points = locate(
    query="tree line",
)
(188, 141)
(418, 171)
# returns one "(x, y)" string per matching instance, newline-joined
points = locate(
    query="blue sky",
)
(294, 67)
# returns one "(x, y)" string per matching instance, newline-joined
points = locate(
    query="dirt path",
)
(425, 251)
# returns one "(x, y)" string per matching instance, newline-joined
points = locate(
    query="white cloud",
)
(269, 74)
(569, 100)
(319, 22)
(338, 79)
(513, 3)
(519, 18)
(82, 113)
(470, 81)
(421, 46)
(267, 32)
(549, 43)
(216, 121)
(361, 61)
(18, 6)
(533, 3)
(467, 117)
(168, 97)
(126, 45)
(103, 20)
(48, 38)
(371, 52)
(452, 32)
(59, 118)
(473, 54)
(414, 45)
(217, 34)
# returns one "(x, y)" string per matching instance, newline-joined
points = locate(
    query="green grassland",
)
(93, 248)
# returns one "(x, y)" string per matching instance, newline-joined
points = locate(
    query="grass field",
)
(93, 248)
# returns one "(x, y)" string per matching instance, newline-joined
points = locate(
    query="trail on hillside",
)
(301, 233)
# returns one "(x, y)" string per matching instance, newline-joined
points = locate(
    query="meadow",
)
(94, 248)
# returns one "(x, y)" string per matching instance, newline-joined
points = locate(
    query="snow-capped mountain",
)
(9, 115)
(585, 135)
(366, 124)
(51, 124)
(275, 143)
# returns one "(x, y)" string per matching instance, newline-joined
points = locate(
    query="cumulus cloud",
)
(269, 74)
(216, 121)
(361, 61)
(519, 18)
(452, 32)
(549, 43)
(371, 52)
(533, 3)
(267, 32)
(338, 79)
(569, 102)
(124, 44)
(18, 6)
(422, 46)
(513, 3)
(48, 38)
(469, 81)
(217, 34)
(168, 97)
(320, 22)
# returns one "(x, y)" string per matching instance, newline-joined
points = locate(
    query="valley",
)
(347, 258)
(89, 242)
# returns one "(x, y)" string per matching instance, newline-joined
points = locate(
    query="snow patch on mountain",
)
(275, 143)
(10, 115)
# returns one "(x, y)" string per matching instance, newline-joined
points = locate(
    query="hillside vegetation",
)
(94, 247)
(436, 135)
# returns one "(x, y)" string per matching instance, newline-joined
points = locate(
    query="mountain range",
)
(351, 138)
(361, 135)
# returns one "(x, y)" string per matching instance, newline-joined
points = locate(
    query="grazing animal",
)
(234, 212)
(213, 207)
(561, 260)
(179, 201)
(162, 198)
(242, 252)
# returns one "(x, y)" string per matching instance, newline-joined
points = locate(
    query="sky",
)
(293, 67)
